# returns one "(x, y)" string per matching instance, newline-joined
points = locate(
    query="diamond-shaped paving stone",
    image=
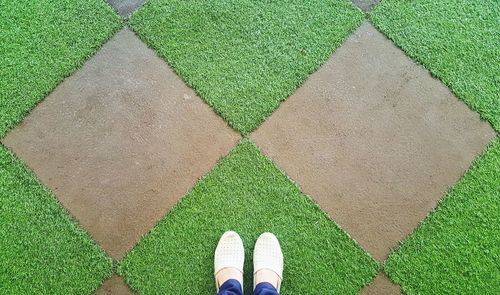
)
(457, 40)
(125, 7)
(366, 5)
(120, 141)
(381, 286)
(41, 42)
(246, 192)
(42, 249)
(114, 286)
(374, 139)
(456, 249)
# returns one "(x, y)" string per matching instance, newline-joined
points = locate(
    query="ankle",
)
(267, 276)
(228, 273)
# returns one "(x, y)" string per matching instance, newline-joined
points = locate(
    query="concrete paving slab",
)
(120, 141)
(366, 5)
(381, 285)
(374, 139)
(114, 286)
(125, 7)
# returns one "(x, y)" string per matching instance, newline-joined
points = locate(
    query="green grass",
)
(42, 42)
(42, 249)
(246, 192)
(243, 56)
(456, 249)
(457, 40)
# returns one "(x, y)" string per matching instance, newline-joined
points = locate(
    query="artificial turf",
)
(42, 42)
(456, 249)
(42, 249)
(243, 56)
(247, 193)
(457, 40)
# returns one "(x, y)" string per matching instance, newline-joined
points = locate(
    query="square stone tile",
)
(120, 141)
(114, 286)
(125, 7)
(374, 139)
(381, 285)
(366, 5)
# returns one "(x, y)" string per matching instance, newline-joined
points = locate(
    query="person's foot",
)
(268, 261)
(229, 258)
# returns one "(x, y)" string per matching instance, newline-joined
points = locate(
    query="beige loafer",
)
(229, 253)
(268, 255)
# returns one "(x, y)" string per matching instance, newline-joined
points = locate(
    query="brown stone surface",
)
(366, 5)
(125, 7)
(120, 141)
(381, 285)
(374, 139)
(114, 286)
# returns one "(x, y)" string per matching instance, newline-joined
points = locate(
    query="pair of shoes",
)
(230, 257)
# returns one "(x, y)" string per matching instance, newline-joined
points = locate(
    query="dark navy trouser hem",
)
(233, 287)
